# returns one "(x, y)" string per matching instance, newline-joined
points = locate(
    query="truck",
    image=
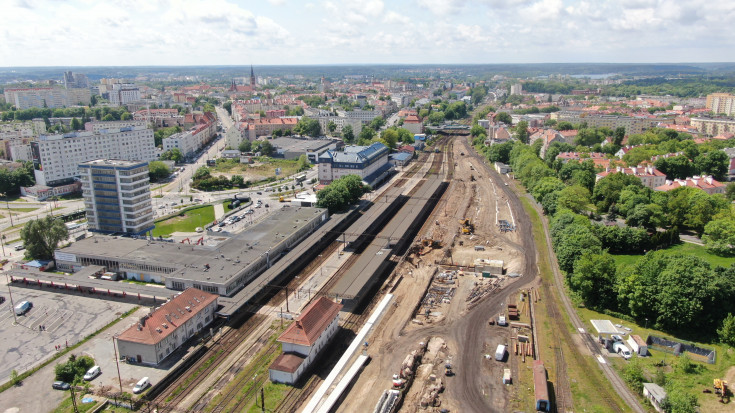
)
(501, 320)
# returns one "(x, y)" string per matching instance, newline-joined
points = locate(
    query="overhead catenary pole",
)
(117, 363)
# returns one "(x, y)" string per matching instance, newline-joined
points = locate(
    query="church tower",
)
(252, 78)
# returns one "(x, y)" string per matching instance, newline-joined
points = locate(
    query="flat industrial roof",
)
(225, 259)
(301, 145)
(604, 327)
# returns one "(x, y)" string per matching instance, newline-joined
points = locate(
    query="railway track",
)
(247, 322)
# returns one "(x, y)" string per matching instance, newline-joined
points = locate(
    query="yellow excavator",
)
(467, 227)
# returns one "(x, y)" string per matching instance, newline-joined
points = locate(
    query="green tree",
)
(347, 134)
(172, 155)
(730, 191)
(331, 126)
(201, 173)
(503, 117)
(715, 163)
(245, 146)
(228, 107)
(575, 198)
(308, 126)
(367, 134)
(126, 116)
(564, 125)
(303, 162)
(594, 280)
(264, 147)
(726, 333)
(76, 124)
(41, 237)
(633, 375)
(679, 401)
(436, 118)
(719, 236)
(237, 181)
(607, 190)
(677, 167)
(389, 138)
(158, 170)
(14, 377)
(521, 131)
(108, 117)
(649, 216)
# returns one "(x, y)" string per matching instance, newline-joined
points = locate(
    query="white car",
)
(92, 373)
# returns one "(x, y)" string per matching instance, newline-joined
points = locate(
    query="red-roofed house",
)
(649, 175)
(548, 136)
(569, 135)
(304, 339)
(705, 183)
(157, 335)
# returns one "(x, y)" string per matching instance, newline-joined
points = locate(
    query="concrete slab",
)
(219, 211)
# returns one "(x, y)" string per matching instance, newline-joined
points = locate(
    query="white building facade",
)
(363, 161)
(57, 157)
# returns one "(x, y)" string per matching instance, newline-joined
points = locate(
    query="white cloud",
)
(139, 32)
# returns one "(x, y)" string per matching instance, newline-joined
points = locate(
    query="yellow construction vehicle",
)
(720, 387)
(467, 226)
(281, 199)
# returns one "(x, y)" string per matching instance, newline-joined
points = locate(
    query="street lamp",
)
(2, 243)
(12, 304)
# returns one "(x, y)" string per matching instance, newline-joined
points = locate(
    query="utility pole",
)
(117, 363)
(2, 243)
(12, 304)
(9, 214)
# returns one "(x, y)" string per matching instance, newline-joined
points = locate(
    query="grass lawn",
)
(22, 209)
(683, 248)
(187, 221)
(66, 405)
(263, 166)
(693, 382)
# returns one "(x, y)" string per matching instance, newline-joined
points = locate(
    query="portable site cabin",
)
(500, 353)
(506, 376)
(638, 345)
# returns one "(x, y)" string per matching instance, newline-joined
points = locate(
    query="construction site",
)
(436, 271)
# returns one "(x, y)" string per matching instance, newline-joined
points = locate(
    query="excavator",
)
(721, 389)
(467, 227)
(429, 244)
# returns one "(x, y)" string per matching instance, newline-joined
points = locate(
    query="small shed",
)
(502, 168)
(489, 268)
(506, 376)
(231, 154)
(638, 345)
(655, 394)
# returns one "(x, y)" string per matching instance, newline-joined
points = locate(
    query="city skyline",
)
(286, 32)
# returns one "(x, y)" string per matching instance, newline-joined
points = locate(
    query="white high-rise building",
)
(57, 157)
(124, 93)
(117, 196)
(516, 89)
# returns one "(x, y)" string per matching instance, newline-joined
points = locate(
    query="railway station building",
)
(369, 162)
(304, 339)
(156, 335)
(221, 269)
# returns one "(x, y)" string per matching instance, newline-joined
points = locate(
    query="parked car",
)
(141, 385)
(60, 385)
(92, 373)
(259, 193)
(20, 247)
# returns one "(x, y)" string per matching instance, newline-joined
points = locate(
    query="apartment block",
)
(721, 103)
(123, 93)
(57, 157)
(117, 196)
(713, 127)
(632, 125)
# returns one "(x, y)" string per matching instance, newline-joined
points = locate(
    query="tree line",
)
(672, 291)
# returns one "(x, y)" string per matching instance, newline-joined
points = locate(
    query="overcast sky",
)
(288, 32)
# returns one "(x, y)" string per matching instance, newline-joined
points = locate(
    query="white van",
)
(141, 385)
(23, 307)
(500, 353)
(623, 350)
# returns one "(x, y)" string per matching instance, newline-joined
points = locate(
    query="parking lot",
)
(55, 320)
